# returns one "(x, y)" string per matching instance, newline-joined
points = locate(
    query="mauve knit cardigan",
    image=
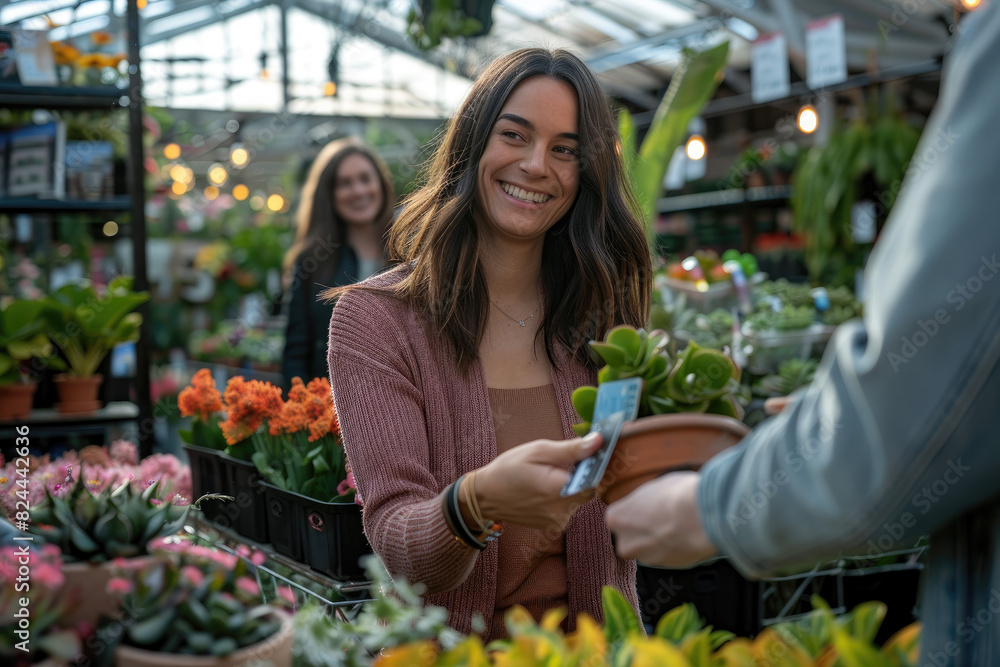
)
(411, 424)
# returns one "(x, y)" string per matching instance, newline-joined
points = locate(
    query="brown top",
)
(412, 423)
(531, 570)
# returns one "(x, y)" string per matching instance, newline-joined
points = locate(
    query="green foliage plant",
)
(86, 323)
(114, 523)
(696, 380)
(22, 337)
(446, 18)
(692, 85)
(792, 374)
(877, 146)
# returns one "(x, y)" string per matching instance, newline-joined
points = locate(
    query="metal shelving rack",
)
(106, 98)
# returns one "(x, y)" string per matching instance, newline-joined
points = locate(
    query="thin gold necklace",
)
(521, 322)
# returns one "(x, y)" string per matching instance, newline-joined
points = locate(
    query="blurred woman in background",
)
(345, 211)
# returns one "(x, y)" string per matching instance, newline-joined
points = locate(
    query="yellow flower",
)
(90, 60)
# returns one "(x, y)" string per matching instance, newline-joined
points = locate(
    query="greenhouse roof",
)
(227, 54)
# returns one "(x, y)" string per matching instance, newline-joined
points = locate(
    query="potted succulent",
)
(688, 411)
(312, 508)
(94, 529)
(86, 324)
(200, 607)
(22, 337)
(51, 639)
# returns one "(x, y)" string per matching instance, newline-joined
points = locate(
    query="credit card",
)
(617, 403)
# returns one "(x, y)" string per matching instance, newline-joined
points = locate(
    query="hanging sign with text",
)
(826, 54)
(769, 68)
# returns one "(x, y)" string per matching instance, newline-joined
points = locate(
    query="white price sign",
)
(826, 54)
(769, 68)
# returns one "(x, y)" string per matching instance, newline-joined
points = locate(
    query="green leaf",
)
(692, 85)
(620, 620)
(611, 354)
(584, 399)
(628, 340)
(581, 429)
(152, 630)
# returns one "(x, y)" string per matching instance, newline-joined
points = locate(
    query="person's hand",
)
(522, 485)
(659, 524)
(773, 406)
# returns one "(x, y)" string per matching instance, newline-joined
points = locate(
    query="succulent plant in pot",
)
(86, 324)
(687, 410)
(200, 602)
(94, 529)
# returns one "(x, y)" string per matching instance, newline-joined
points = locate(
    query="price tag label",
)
(826, 53)
(769, 68)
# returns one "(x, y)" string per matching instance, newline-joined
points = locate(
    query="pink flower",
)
(120, 586)
(347, 484)
(193, 574)
(286, 592)
(248, 586)
(123, 451)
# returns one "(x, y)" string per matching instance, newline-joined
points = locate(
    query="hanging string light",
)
(808, 119)
(696, 147)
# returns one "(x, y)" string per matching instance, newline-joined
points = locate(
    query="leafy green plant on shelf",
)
(86, 323)
(22, 337)
(696, 380)
(118, 522)
(868, 157)
(438, 19)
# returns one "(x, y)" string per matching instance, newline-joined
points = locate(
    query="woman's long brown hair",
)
(596, 267)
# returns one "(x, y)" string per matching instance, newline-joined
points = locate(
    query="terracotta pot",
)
(275, 651)
(78, 395)
(652, 446)
(15, 399)
(88, 582)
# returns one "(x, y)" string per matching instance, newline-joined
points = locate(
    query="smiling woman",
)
(452, 374)
(346, 207)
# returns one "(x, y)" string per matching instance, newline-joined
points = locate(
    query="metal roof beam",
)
(374, 31)
(896, 17)
(223, 11)
(609, 59)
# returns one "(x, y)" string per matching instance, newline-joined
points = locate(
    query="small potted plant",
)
(51, 640)
(92, 530)
(200, 607)
(688, 411)
(312, 509)
(86, 324)
(22, 338)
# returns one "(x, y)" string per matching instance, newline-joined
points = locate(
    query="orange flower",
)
(101, 37)
(326, 424)
(248, 404)
(320, 387)
(201, 398)
(65, 54)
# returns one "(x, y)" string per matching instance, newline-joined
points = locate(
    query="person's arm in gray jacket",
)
(899, 431)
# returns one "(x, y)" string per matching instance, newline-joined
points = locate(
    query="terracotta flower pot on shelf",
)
(275, 651)
(15, 399)
(652, 446)
(78, 395)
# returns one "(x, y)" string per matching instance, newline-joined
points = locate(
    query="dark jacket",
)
(308, 326)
